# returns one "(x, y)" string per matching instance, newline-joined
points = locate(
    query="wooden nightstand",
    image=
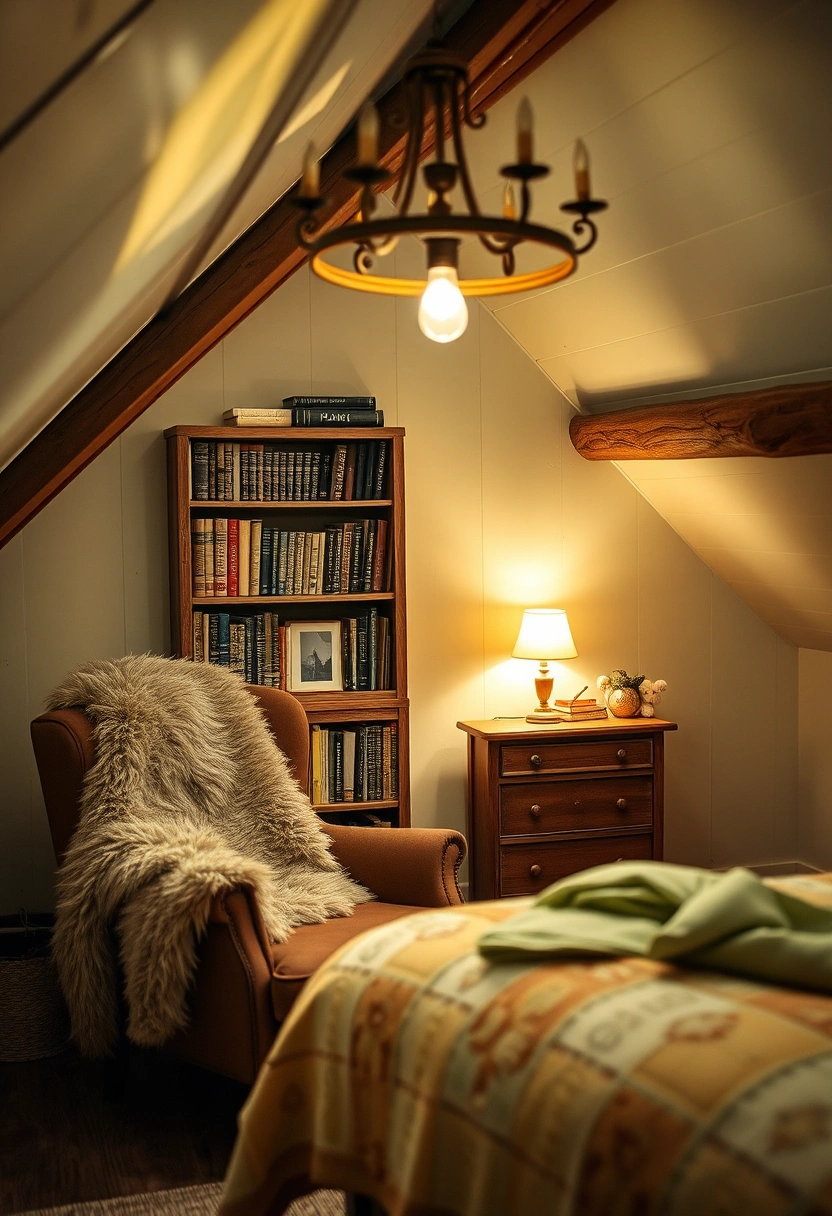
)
(545, 801)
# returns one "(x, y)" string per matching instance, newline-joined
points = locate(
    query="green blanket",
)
(730, 922)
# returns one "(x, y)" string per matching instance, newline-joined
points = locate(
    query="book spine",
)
(229, 472)
(360, 470)
(372, 648)
(381, 469)
(349, 765)
(233, 557)
(394, 759)
(326, 474)
(338, 469)
(281, 475)
(244, 472)
(275, 650)
(253, 417)
(199, 469)
(197, 644)
(315, 475)
(363, 402)
(319, 416)
(377, 583)
(346, 558)
(235, 473)
(198, 557)
(220, 471)
(260, 646)
(268, 474)
(338, 782)
(315, 742)
(268, 669)
(212, 471)
(208, 544)
(356, 558)
(369, 555)
(349, 471)
(221, 556)
(386, 786)
(213, 638)
(297, 578)
(258, 451)
(266, 554)
(363, 653)
(254, 558)
(306, 479)
(298, 481)
(249, 653)
(369, 481)
(361, 765)
(244, 560)
(237, 647)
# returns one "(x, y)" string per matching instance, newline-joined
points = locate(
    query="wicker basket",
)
(33, 1018)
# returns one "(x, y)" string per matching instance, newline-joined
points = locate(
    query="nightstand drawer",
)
(527, 869)
(521, 759)
(575, 806)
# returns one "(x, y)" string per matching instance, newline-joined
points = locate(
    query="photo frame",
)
(314, 650)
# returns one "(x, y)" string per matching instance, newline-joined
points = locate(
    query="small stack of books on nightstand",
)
(582, 709)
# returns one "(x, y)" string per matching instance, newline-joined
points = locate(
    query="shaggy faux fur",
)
(189, 796)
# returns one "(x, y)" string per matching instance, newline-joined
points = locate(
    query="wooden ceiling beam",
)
(792, 420)
(502, 41)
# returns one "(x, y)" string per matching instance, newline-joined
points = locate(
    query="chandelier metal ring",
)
(448, 225)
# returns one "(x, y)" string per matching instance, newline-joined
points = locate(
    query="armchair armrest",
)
(416, 866)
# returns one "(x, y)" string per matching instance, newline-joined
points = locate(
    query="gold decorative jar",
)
(624, 702)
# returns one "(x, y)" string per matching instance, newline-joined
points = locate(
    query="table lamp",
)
(544, 635)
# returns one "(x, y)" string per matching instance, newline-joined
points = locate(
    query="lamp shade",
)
(544, 634)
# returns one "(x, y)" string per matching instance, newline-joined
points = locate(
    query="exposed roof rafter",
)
(791, 420)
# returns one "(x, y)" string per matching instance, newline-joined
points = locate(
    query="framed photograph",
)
(314, 649)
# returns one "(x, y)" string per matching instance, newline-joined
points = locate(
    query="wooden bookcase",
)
(336, 709)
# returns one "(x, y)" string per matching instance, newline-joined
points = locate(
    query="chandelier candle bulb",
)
(443, 313)
(310, 184)
(524, 132)
(509, 208)
(368, 134)
(580, 163)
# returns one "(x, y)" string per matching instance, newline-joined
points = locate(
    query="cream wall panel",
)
(16, 794)
(770, 339)
(798, 569)
(673, 589)
(641, 297)
(799, 484)
(362, 360)
(522, 514)
(786, 751)
(600, 551)
(268, 356)
(743, 733)
(197, 398)
(439, 404)
(815, 760)
(784, 600)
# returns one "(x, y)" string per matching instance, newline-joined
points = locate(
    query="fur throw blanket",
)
(189, 796)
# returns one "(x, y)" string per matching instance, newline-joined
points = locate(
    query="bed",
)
(413, 1071)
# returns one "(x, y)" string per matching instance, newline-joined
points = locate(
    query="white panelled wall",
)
(501, 514)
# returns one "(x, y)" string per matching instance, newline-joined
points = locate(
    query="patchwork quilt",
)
(413, 1070)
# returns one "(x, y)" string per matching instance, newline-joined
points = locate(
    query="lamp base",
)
(549, 714)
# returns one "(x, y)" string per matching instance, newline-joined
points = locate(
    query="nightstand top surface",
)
(518, 728)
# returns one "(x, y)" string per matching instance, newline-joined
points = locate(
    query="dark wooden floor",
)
(62, 1141)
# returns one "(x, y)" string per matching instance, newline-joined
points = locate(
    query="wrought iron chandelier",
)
(437, 79)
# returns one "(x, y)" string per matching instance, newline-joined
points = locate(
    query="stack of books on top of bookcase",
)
(228, 471)
(354, 764)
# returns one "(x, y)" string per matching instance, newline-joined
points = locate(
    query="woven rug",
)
(187, 1201)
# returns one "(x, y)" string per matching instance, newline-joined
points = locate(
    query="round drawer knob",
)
(535, 871)
(622, 804)
(535, 761)
(621, 753)
(534, 811)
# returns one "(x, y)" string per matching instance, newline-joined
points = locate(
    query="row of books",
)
(244, 557)
(265, 651)
(224, 471)
(354, 764)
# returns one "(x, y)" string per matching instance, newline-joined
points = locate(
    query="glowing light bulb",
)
(443, 313)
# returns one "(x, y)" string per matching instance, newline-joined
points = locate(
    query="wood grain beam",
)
(792, 420)
(502, 41)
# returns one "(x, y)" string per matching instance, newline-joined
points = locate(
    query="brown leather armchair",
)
(245, 985)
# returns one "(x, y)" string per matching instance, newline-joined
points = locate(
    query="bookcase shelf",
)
(365, 713)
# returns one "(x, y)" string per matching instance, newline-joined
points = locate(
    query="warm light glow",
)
(509, 208)
(544, 634)
(443, 314)
(368, 134)
(524, 132)
(580, 163)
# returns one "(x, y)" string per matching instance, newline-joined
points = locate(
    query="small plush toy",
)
(650, 694)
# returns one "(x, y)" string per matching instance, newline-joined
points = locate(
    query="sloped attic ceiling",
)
(709, 127)
(106, 186)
